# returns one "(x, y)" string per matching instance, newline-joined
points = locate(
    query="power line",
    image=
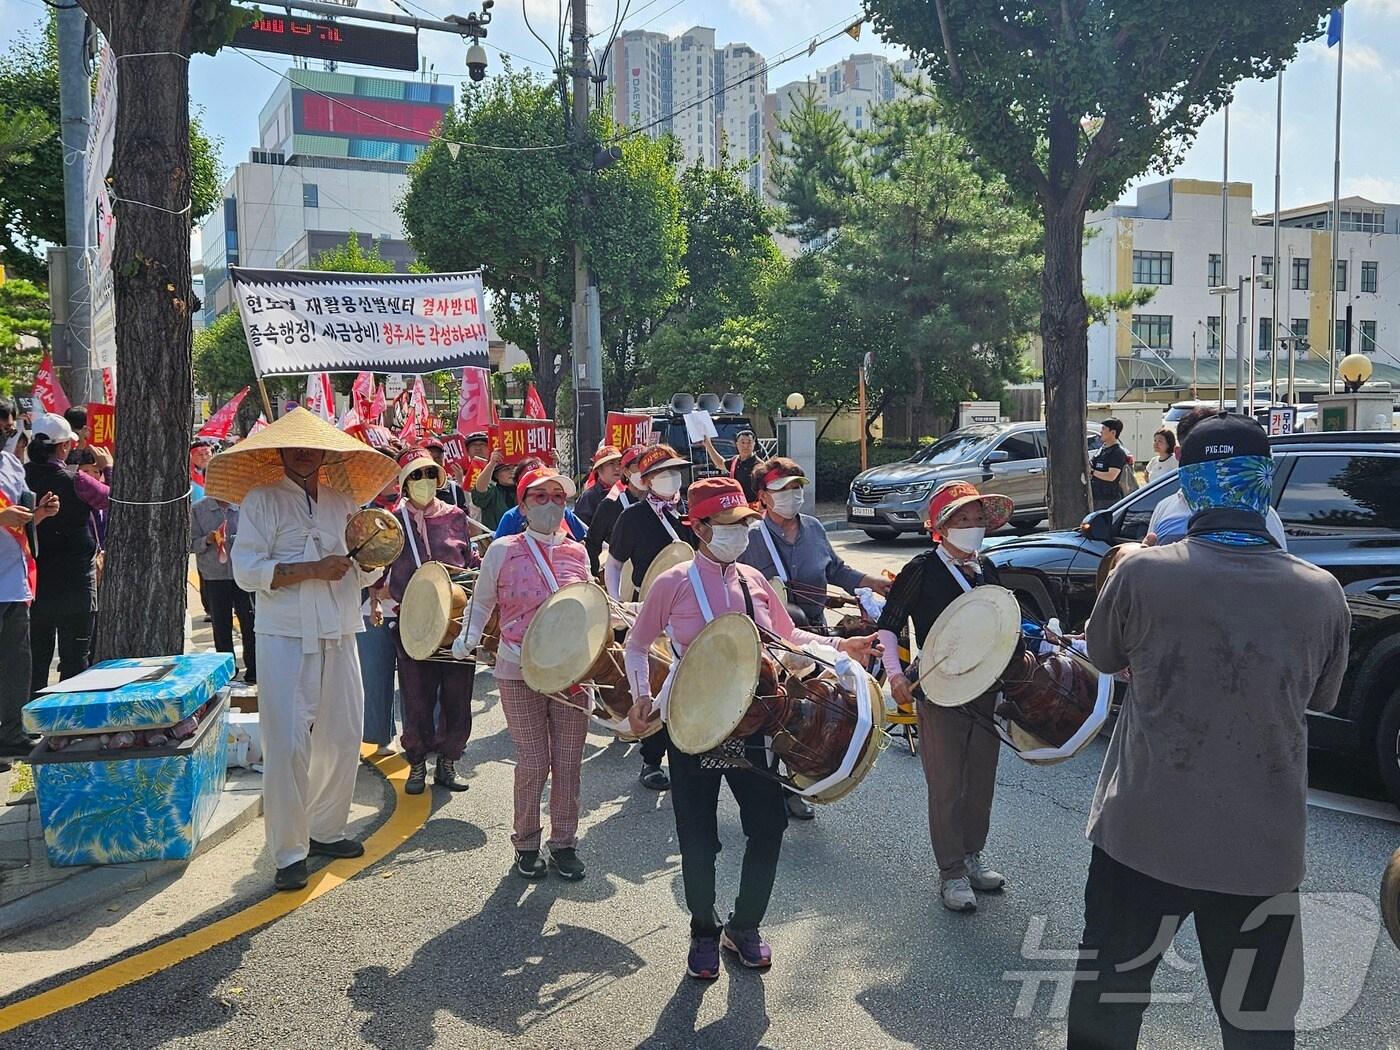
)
(460, 76)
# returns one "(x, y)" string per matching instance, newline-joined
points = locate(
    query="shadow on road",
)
(743, 1026)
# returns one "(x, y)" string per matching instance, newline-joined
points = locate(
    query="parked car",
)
(1338, 495)
(999, 457)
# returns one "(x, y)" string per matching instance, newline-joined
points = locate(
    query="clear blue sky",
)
(231, 89)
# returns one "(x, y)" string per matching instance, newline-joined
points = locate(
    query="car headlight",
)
(912, 493)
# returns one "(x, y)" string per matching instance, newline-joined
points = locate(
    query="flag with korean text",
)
(47, 392)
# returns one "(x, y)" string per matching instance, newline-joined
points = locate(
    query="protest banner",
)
(102, 425)
(47, 392)
(624, 429)
(476, 412)
(221, 422)
(522, 438)
(311, 321)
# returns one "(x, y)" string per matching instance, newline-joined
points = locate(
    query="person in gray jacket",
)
(213, 527)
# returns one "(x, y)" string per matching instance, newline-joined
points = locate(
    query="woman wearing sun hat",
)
(436, 696)
(298, 482)
(959, 757)
(517, 574)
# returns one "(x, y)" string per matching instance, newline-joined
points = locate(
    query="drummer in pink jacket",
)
(682, 601)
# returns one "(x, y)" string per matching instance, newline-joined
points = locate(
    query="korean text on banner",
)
(523, 438)
(308, 321)
(625, 429)
(47, 392)
(102, 424)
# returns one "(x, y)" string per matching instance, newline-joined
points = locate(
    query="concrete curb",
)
(240, 807)
(839, 525)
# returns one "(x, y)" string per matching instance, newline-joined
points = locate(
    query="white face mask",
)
(422, 492)
(544, 519)
(787, 502)
(666, 484)
(728, 542)
(969, 540)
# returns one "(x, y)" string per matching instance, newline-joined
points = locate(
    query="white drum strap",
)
(412, 543)
(666, 523)
(773, 552)
(958, 574)
(541, 562)
(695, 585)
(846, 669)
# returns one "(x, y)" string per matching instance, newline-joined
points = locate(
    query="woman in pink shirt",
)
(517, 574)
(681, 602)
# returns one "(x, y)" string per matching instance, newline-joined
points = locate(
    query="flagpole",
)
(1225, 260)
(1278, 261)
(1336, 216)
(267, 403)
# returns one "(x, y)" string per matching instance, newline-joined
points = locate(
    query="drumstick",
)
(378, 528)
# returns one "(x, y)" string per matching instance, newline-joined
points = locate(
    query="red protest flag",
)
(476, 411)
(109, 386)
(47, 392)
(221, 422)
(261, 424)
(102, 425)
(360, 392)
(534, 407)
(376, 407)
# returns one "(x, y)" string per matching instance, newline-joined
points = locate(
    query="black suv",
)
(1338, 495)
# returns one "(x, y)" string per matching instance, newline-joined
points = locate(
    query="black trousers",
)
(695, 800)
(655, 746)
(70, 619)
(223, 599)
(15, 669)
(1251, 948)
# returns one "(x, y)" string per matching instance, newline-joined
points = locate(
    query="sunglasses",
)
(423, 474)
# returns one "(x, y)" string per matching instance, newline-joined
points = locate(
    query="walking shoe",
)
(528, 864)
(445, 775)
(800, 808)
(655, 778)
(957, 894)
(340, 848)
(749, 945)
(292, 877)
(566, 864)
(417, 777)
(703, 961)
(982, 877)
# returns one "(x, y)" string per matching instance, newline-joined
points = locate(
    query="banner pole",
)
(267, 403)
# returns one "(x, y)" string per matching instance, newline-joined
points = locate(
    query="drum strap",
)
(624, 499)
(541, 562)
(956, 572)
(778, 562)
(705, 610)
(412, 542)
(665, 521)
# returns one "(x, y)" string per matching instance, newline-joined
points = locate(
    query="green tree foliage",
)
(816, 172)
(31, 195)
(352, 257)
(24, 311)
(20, 131)
(516, 215)
(1070, 100)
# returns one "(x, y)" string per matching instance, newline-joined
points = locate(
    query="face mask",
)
(969, 540)
(728, 542)
(787, 502)
(421, 493)
(544, 519)
(667, 484)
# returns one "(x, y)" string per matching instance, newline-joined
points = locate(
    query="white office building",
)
(1170, 240)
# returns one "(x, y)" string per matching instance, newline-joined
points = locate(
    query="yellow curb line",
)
(409, 815)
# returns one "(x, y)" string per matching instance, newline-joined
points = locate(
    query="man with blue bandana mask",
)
(1201, 807)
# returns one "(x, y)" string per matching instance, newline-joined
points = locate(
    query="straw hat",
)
(967, 649)
(351, 466)
(418, 461)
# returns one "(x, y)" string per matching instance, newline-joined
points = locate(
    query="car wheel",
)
(881, 534)
(1388, 746)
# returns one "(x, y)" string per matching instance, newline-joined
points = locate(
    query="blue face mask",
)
(1240, 483)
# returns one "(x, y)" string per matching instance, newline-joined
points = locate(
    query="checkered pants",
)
(548, 740)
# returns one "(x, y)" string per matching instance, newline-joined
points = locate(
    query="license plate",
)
(862, 512)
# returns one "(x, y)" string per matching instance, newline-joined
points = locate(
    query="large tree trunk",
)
(1065, 330)
(142, 604)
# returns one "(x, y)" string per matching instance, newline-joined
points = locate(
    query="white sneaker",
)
(981, 876)
(957, 895)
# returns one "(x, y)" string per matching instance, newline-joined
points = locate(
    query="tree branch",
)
(955, 77)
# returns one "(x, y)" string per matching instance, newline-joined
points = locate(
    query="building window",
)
(1214, 275)
(1266, 334)
(1300, 274)
(1341, 285)
(1300, 327)
(1368, 337)
(1339, 336)
(310, 195)
(1152, 267)
(1153, 330)
(1212, 333)
(1370, 274)
(1363, 222)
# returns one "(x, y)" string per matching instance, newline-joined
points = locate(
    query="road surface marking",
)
(408, 817)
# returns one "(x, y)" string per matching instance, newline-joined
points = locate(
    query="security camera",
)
(476, 62)
(486, 5)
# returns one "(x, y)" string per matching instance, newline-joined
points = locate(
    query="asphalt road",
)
(440, 946)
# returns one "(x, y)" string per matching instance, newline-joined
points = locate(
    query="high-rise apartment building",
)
(852, 87)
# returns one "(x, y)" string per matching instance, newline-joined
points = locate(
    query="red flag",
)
(261, 424)
(360, 392)
(221, 422)
(47, 392)
(320, 398)
(418, 402)
(109, 386)
(375, 411)
(534, 407)
(476, 411)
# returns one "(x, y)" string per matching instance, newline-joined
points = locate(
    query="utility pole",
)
(586, 329)
(73, 351)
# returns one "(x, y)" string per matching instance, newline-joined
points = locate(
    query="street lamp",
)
(1223, 290)
(1354, 369)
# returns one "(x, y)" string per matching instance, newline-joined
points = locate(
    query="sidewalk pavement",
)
(32, 893)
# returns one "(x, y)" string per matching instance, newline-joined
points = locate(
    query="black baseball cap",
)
(1224, 436)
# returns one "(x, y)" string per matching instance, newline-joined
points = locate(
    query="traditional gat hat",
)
(350, 466)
